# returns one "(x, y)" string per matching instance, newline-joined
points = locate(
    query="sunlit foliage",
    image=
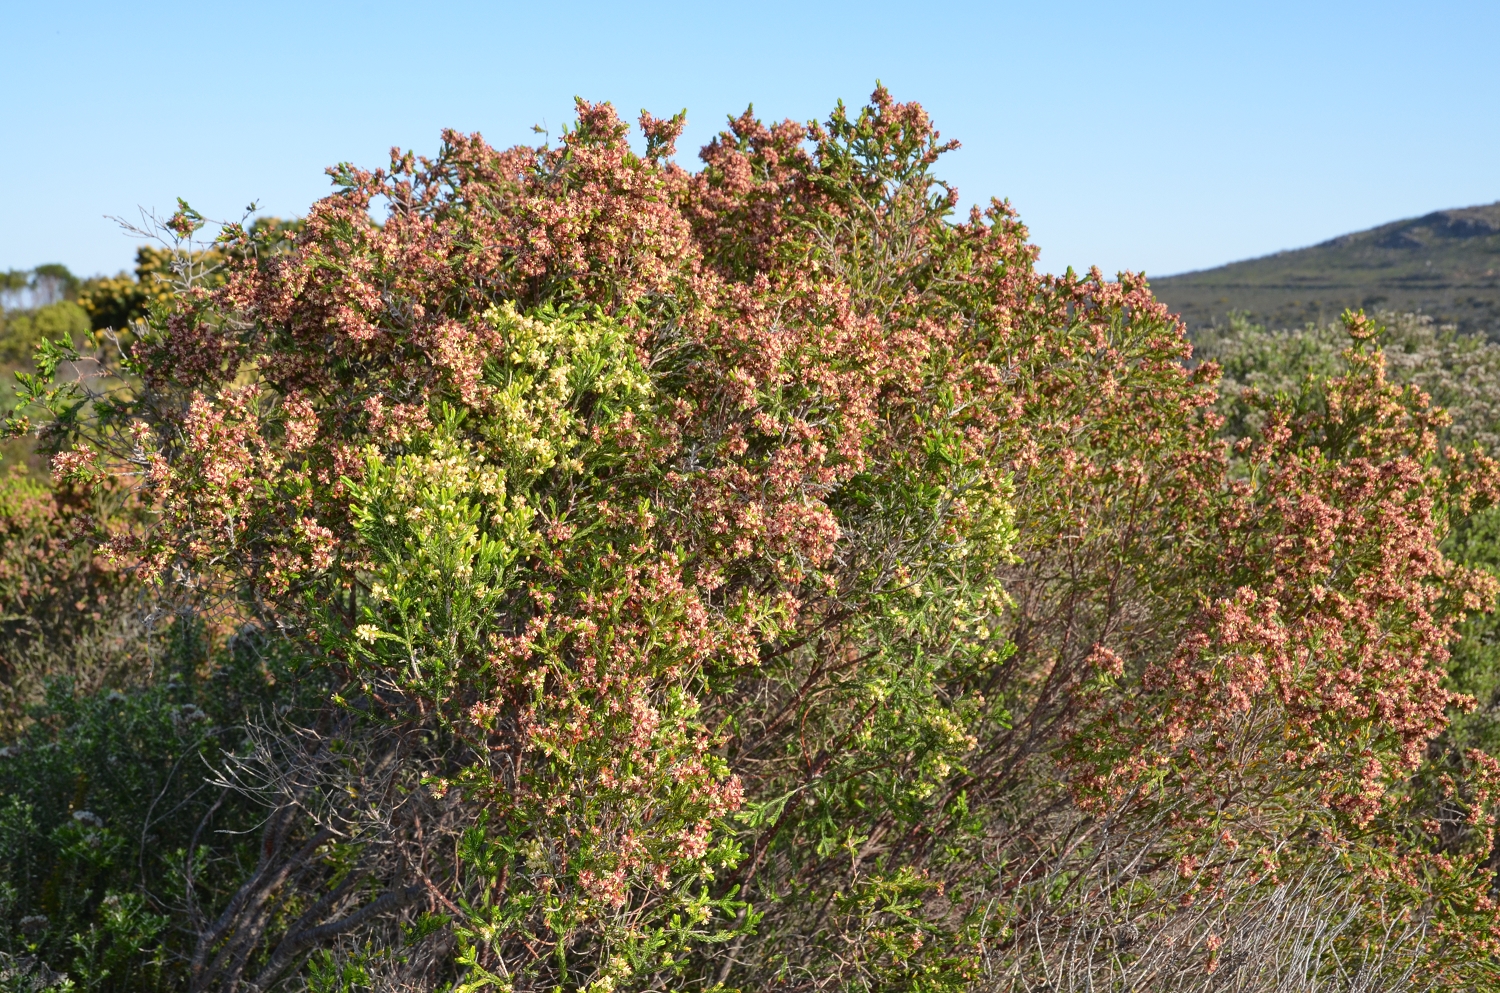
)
(764, 578)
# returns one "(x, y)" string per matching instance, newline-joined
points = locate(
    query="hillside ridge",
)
(1445, 263)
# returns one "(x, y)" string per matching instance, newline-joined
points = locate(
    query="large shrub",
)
(769, 580)
(1461, 373)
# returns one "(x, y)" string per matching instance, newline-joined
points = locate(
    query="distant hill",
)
(1446, 264)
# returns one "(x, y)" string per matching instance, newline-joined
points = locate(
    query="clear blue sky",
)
(1154, 136)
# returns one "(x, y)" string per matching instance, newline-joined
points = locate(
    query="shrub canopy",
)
(791, 587)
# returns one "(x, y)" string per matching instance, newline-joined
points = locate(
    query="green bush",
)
(109, 802)
(20, 332)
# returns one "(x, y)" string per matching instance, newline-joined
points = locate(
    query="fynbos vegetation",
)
(555, 569)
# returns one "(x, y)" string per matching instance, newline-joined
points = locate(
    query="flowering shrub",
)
(799, 590)
(117, 302)
(1460, 373)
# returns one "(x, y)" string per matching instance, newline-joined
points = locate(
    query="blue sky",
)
(1151, 136)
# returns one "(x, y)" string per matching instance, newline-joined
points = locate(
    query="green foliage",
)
(60, 321)
(106, 806)
(40, 286)
(1475, 667)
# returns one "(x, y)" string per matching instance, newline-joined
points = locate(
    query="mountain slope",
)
(1446, 264)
